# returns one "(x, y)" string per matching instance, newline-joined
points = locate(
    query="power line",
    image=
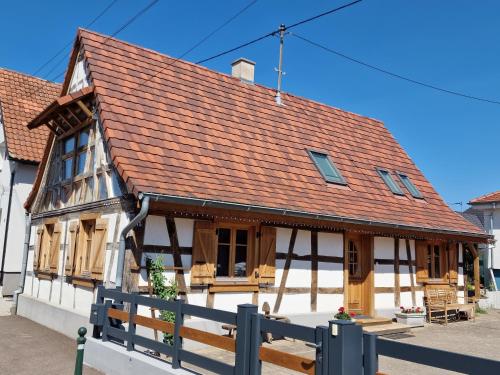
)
(275, 32)
(96, 18)
(394, 75)
(121, 28)
(204, 39)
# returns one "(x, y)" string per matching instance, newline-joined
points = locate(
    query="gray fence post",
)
(256, 342)
(131, 325)
(179, 321)
(345, 348)
(243, 336)
(322, 334)
(370, 357)
(105, 325)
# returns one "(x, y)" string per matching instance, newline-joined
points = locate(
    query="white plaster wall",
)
(185, 231)
(384, 273)
(384, 301)
(156, 232)
(330, 275)
(329, 302)
(295, 303)
(230, 301)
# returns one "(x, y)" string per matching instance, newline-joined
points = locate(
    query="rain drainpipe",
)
(24, 264)
(121, 249)
(7, 222)
(492, 274)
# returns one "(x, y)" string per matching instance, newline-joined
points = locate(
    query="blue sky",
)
(449, 43)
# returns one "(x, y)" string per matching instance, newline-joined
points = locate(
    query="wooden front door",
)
(357, 269)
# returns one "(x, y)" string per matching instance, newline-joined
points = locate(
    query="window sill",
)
(44, 275)
(84, 281)
(233, 286)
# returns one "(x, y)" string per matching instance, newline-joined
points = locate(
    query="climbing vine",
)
(163, 289)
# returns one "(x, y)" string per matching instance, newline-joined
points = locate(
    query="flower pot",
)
(412, 319)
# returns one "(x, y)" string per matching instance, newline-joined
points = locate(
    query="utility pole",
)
(282, 30)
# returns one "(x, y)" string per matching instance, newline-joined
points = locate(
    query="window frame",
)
(75, 153)
(409, 185)
(339, 180)
(251, 230)
(383, 176)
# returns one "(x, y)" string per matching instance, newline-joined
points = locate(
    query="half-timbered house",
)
(298, 204)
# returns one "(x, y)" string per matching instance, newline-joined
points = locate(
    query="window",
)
(86, 254)
(353, 258)
(48, 243)
(432, 263)
(389, 181)
(75, 151)
(325, 166)
(232, 251)
(409, 185)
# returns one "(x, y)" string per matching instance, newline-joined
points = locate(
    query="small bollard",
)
(80, 342)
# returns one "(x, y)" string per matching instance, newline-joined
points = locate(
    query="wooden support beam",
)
(284, 276)
(410, 270)
(477, 277)
(84, 108)
(397, 289)
(174, 243)
(64, 121)
(314, 270)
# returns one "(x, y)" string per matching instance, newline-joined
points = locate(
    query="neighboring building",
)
(302, 205)
(487, 210)
(22, 97)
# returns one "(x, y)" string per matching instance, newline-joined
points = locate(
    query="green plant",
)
(163, 289)
(344, 315)
(411, 310)
(480, 310)
(470, 287)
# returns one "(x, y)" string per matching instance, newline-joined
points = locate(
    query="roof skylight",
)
(389, 181)
(326, 167)
(409, 185)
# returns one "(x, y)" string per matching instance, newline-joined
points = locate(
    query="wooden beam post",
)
(174, 243)
(314, 270)
(410, 270)
(397, 286)
(477, 277)
(284, 276)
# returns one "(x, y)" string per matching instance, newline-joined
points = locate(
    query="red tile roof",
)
(22, 97)
(487, 198)
(193, 132)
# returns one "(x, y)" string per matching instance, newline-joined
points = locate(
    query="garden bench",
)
(444, 300)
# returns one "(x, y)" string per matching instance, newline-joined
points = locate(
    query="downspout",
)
(121, 248)
(492, 274)
(9, 204)
(26, 249)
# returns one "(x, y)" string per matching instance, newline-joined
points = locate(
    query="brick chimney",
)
(243, 69)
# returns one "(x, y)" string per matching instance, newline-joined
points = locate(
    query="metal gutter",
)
(296, 213)
(121, 248)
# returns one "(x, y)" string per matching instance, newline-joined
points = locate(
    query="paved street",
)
(27, 348)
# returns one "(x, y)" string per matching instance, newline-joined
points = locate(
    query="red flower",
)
(352, 315)
(401, 307)
(341, 310)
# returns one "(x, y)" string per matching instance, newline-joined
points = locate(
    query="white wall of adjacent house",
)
(60, 291)
(24, 175)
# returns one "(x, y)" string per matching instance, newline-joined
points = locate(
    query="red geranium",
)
(352, 315)
(341, 310)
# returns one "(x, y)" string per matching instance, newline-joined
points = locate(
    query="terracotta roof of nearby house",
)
(487, 198)
(179, 129)
(22, 97)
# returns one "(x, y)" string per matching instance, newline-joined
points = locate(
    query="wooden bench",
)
(443, 299)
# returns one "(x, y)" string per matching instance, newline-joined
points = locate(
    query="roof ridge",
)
(226, 74)
(481, 197)
(29, 76)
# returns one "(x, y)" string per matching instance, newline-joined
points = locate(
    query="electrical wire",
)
(204, 39)
(272, 33)
(394, 75)
(96, 18)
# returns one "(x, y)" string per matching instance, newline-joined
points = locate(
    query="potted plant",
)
(412, 316)
(344, 315)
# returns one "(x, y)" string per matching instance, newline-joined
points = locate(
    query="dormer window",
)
(75, 149)
(326, 167)
(389, 181)
(409, 185)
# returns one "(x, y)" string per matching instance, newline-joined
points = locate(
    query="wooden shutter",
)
(70, 253)
(38, 246)
(267, 256)
(421, 260)
(98, 255)
(55, 246)
(203, 258)
(453, 263)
